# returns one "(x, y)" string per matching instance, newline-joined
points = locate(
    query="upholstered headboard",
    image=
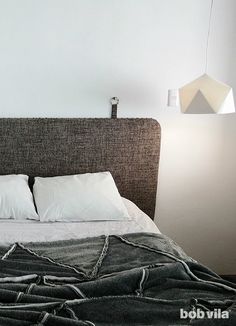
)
(128, 148)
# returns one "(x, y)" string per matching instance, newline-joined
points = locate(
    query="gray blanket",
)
(135, 279)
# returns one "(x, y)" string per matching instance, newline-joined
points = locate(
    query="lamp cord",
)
(208, 36)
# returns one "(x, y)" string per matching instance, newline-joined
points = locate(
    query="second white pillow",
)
(16, 200)
(81, 197)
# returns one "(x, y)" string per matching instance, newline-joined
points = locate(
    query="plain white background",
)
(66, 58)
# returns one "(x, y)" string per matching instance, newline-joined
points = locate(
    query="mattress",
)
(34, 231)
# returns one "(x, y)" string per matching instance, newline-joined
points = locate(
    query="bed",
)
(99, 272)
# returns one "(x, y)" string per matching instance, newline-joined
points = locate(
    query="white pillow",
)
(81, 197)
(16, 199)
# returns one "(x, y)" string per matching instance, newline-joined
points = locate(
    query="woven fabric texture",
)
(128, 148)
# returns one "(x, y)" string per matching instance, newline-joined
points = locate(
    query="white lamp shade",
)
(206, 95)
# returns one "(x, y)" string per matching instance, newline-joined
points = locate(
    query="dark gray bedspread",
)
(135, 279)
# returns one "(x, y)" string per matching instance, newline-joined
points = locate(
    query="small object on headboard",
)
(114, 104)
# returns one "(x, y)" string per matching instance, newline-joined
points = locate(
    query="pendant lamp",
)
(206, 94)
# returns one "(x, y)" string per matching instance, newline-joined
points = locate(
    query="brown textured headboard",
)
(128, 148)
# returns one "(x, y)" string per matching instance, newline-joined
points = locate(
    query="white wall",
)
(66, 58)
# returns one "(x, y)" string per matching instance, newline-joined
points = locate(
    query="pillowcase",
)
(81, 197)
(16, 199)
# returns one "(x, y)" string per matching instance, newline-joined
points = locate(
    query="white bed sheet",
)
(34, 231)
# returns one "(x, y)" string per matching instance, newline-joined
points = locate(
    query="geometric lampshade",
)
(206, 95)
